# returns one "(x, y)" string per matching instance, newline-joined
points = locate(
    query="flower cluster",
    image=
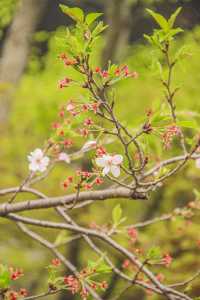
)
(67, 182)
(16, 295)
(169, 134)
(7, 276)
(75, 108)
(15, 273)
(67, 60)
(115, 71)
(77, 284)
(64, 82)
(72, 284)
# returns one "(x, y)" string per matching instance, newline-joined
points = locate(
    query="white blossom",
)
(38, 161)
(64, 157)
(88, 146)
(110, 163)
(197, 163)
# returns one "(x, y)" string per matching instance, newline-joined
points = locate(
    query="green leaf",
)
(117, 214)
(103, 268)
(188, 124)
(92, 264)
(160, 120)
(175, 31)
(173, 17)
(4, 277)
(154, 253)
(74, 13)
(160, 20)
(183, 51)
(148, 38)
(100, 266)
(90, 18)
(98, 29)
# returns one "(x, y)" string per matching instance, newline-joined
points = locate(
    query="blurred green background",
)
(29, 103)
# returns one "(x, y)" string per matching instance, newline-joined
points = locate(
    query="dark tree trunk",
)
(118, 16)
(16, 49)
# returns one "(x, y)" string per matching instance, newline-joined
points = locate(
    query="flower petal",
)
(33, 167)
(45, 160)
(64, 157)
(106, 170)
(42, 168)
(197, 163)
(115, 170)
(101, 161)
(37, 153)
(117, 159)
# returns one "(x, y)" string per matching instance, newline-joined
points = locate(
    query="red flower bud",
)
(56, 262)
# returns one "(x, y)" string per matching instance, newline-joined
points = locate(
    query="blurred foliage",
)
(36, 106)
(7, 9)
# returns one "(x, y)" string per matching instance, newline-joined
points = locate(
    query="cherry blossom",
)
(64, 157)
(38, 161)
(110, 163)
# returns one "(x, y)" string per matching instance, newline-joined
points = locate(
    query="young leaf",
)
(117, 214)
(175, 31)
(74, 13)
(148, 38)
(173, 17)
(154, 253)
(98, 29)
(90, 18)
(160, 120)
(188, 124)
(103, 268)
(160, 20)
(100, 266)
(182, 52)
(4, 277)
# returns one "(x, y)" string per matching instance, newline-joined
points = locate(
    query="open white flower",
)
(38, 161)
(64, 157)
(88, 146)
(110, 163)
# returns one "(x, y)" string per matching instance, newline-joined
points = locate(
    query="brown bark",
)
(16, 49)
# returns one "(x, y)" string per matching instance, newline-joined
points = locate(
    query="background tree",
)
(16, 49)
(38, 85)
